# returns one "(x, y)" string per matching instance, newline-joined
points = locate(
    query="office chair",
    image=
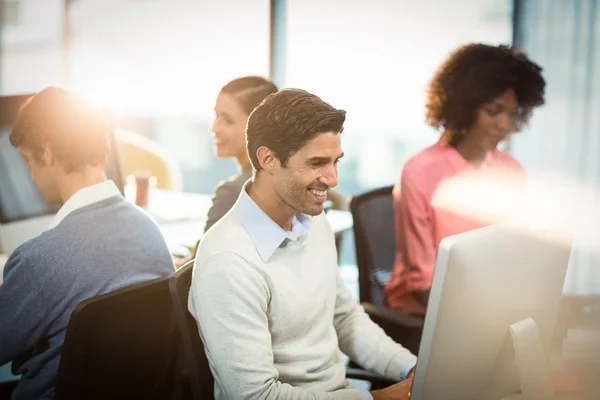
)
(200, 376)
(6, 389)
(138, 153)
(375, 240)
(121, 345)
(194, 358)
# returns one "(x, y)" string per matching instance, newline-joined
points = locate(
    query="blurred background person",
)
(89, 248)
(478, 97)
(235, 102)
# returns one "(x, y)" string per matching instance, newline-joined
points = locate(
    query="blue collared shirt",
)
(266, 234)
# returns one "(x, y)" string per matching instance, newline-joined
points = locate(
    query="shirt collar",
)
(85, 197)
(266, 234)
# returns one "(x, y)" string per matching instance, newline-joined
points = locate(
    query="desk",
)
(182, 216)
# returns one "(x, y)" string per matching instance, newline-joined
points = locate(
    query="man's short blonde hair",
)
(77, 132)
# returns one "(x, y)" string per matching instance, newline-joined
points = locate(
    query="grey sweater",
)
(96, 249)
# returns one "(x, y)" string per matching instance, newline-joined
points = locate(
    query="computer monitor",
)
(24, 213)
(492, 311)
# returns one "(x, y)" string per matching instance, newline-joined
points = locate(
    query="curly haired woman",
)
(478, 97)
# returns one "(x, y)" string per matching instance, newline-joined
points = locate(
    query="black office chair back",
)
(375, 239)
(195, 360)
(121, 345)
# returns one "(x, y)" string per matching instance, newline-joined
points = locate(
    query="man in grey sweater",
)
(272, 309)
(96, 243)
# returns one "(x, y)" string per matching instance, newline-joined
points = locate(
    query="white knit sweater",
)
(274, 329)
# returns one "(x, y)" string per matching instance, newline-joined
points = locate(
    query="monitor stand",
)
(523, 360)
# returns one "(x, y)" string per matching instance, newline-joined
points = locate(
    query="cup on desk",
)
(141, 181)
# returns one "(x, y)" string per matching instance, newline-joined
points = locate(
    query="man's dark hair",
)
(285, 121)
(249, 91)
(77, 132)
(474, 75)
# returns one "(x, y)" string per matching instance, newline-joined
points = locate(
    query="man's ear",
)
(267, 159)
(48, 157)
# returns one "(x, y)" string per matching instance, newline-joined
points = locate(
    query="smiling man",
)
(272, 309)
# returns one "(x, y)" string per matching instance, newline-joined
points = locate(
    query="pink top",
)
(431, 202)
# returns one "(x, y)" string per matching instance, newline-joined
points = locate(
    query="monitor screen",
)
(19, 197)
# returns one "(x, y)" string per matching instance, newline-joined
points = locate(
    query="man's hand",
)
(399, 391)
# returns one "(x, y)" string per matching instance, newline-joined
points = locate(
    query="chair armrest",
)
(403, 328)
(364, 375)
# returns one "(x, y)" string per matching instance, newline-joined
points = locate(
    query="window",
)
(31, 45)
(160, 64)
(374, 59)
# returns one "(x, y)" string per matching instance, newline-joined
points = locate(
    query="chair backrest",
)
(375, 239)
(121, 345)
(195, 360)
(139, 153)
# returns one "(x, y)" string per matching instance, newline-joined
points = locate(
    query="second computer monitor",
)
(493, 288)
